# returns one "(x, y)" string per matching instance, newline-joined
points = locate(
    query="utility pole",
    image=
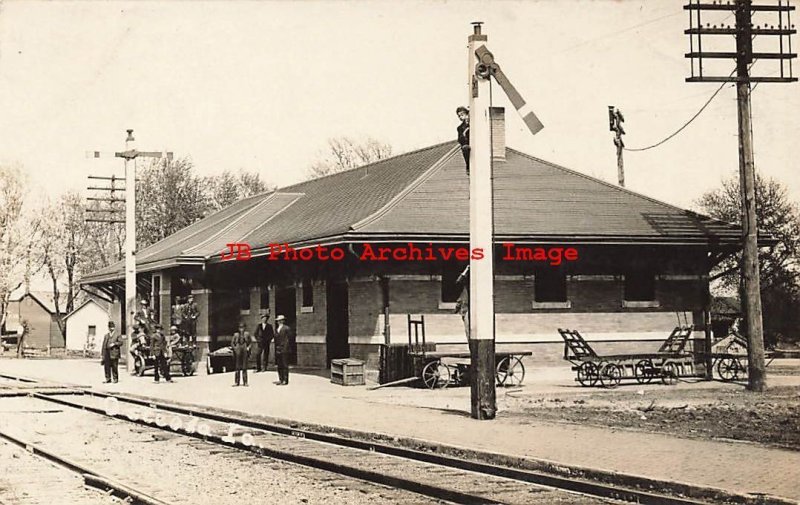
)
(744, 31)
(111, 211)
(129, 155)
(615, 121)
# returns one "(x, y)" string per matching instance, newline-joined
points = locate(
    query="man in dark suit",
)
(112, 341)
(463, 133)
(264, 334)
(161, 352)
(241, 349)
(190, 315)
(282, 337)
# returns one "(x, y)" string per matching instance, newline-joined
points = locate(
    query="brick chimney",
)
(497, 122)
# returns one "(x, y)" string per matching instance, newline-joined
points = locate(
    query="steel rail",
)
(581, 486)
(90, 477)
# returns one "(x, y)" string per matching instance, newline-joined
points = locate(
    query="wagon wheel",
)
(610, 375)
(187, 364)
(643, 371)
(436, 375)
(510, 371)
(669, 373)
(587, 374)
(139, 365)
(728, 369)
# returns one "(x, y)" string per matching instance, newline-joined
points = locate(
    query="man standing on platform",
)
(112, 341)
(241, 349)
(264, 334)
(282, 337)
(190, 315)
(160, 350)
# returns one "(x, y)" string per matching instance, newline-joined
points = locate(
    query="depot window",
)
(640, 286)
(550, 286)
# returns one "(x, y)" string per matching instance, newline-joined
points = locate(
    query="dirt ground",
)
(771, 418)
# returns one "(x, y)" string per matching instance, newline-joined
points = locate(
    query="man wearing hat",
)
(159, 349)
(112, 341)
(144, 317)
(282, 336)
(463, 133)
(190, 315)
(264, 334)
(241, 349)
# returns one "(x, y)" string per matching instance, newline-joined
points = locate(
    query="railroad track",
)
(436, 476)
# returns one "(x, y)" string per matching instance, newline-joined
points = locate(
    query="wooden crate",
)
(347, 372)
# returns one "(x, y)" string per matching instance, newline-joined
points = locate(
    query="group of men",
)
(184, 316)
(264, 335)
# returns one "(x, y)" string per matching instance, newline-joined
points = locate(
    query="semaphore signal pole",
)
(482, 67)
(129, 155)
(744, 31)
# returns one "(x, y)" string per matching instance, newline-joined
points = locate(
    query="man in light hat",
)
(112, 341)
(282, 338)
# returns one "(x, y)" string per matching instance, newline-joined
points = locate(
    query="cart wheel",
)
(643, 371)
(139, 365)
(510, 372)
(187, 364)
(610, 375)
(669, 373)
(587, 374)
(436, 375)
(728, 369)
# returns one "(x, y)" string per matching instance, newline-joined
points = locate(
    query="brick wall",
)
(311, 321)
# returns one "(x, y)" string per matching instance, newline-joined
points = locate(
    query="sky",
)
(261, 86)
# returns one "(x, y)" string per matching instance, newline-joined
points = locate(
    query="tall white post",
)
(130, 246)
(481, 231)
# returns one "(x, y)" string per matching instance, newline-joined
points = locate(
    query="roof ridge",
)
(275, 214)
(151, 249)
(415, 151)
(435, 166)
(618, 188)
(230, 225)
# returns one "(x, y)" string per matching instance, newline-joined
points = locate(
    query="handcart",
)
(667, 364)
(441, 369)
(182, 355)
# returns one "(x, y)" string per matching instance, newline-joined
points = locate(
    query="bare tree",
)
(18, 236)
(65, 249)
(345, 153)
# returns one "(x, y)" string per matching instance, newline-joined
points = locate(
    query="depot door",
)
(338, 322)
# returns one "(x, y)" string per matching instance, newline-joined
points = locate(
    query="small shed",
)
(86, 325)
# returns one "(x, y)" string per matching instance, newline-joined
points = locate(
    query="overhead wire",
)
(687, 123)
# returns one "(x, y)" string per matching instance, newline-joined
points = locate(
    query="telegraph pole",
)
(481, 231)
(615, 121)
(744, 31)
(129, 155)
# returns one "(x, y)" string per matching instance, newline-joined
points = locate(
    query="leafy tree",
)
(169, 197)
(228, 187)
(345, 153)
(779, 263)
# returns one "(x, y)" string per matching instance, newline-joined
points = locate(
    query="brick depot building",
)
(642, 265)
